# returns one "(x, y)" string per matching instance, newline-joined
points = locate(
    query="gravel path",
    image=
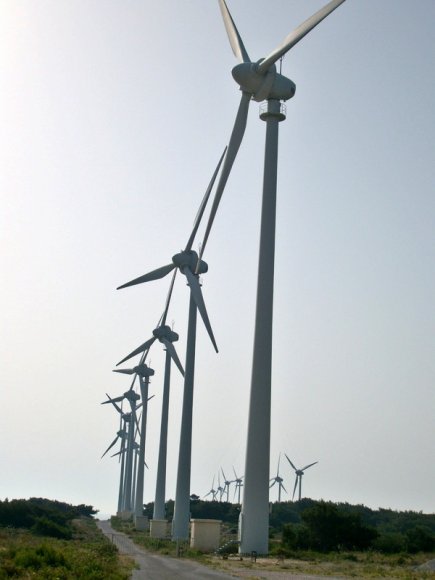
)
(154, 567)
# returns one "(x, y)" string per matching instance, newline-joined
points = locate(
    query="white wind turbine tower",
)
(122, 434)
(227, 483)
(220, 489)
(299, 475)
(260, 81)
(131, 421)
(239, 484)
(212, 491)
(191, 266)
(166, 336)
(144, 373)
(279, 480)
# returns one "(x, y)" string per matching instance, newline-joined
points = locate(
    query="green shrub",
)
(420, 539)
(45, 527)
(390, 543)
(43, 555)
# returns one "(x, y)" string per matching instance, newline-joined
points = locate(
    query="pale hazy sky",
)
(113, 116)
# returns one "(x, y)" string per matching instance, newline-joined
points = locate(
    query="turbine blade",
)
(307, 466)
(272, 484)
(114, 401)
(233, 147)
(143, 347)
(168, 299)
(154, 275)
(195, 288)
(171, 349)
(110, 446)
(117, 407)
(137, 425)
(297, 35)
(124, 371)
(282, 487)
(294, 489)
(290, 461)
(204, 201)
(233, 34)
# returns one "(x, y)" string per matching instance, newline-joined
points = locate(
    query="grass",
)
(87, 555)
(344, 564)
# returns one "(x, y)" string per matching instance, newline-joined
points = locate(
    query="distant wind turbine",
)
(220, 489)
(122, 434)
(188, 263)
(239, 484)
(227, 483)
(167, 337)
(299, 474)
(212, 491)
(279, 480)
(125, 489)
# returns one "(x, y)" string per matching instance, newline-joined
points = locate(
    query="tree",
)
(420, 539)
(332, 529)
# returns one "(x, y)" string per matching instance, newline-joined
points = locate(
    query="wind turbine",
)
(220, 489)
(124, 499)
(279, 480)
(260, 81)
(144, 373)
(132, 398)
(191, 266)
(124, 419)
(212, 491)
(166, 336)
(299, 474)
(239, 484)
(227, 484)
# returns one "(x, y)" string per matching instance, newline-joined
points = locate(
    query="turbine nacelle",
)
(189, 259)
(143, 371)
(271, 85)
(131, 396)
(165, 332)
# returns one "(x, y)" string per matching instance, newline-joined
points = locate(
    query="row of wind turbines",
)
(258, 81)
(223, 492)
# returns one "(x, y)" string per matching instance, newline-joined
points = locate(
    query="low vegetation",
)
(324, 527)
(315, 538)
(46, 539)
(325, 538)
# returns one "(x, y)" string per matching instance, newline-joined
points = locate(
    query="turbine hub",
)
(189, 259)
(143, 371)
(131, 396)
(272, 85)
(165, 331)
